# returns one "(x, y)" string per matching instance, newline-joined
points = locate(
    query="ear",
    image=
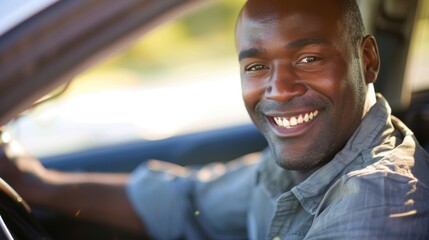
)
(370, 58)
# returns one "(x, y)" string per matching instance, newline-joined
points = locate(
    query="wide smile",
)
(294, 121)
(293, 125)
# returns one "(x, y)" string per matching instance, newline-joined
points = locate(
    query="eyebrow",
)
(308, 41)
(300, 43)
(248, 53)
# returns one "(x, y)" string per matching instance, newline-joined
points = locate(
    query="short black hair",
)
(354, 23)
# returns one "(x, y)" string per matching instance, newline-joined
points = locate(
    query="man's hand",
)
(18, 168)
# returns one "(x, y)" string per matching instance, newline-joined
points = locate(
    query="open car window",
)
(183, 77)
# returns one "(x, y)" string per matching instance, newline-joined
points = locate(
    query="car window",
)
(417, 69)
(180, 78)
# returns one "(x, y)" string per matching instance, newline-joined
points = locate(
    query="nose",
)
(284, 85)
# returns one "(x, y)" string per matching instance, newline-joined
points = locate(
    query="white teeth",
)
(295, 120)
(306, 119)
(286, 123)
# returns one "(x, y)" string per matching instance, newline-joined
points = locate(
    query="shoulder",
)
(383, 189)
(390, 173)
(391, 181)
(374, 203)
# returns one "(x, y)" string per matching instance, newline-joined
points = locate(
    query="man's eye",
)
(254, 68)
(308, 59)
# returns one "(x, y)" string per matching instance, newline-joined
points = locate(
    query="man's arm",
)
(94, 196)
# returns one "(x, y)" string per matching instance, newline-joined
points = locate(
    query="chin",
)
(303, 162)
(292, 165)
(289, 162)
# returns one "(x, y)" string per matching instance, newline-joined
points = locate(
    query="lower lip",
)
(296, 131)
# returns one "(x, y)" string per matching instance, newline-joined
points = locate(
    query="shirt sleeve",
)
(376, 206)
(175, 202)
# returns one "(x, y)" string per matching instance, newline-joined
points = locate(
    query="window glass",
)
(180, 78)
(418, 69)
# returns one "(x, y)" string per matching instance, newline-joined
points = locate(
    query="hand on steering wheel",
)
(17, 167)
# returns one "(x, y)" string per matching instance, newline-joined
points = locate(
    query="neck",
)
(370, 99)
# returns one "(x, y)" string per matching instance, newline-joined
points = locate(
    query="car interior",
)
(49, 49)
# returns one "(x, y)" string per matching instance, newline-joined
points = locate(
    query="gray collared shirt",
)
(376, 187)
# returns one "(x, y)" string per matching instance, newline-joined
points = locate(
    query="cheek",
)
(342, 89)
(333, 83)
(252, 93)
(350, 93)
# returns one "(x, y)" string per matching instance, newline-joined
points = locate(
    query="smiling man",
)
(307, 71)
(338, 166)
(305, 75)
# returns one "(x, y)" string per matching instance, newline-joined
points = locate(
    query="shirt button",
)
(277, 238)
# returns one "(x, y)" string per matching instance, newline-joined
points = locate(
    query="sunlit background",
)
(181, 78)
(418, 67)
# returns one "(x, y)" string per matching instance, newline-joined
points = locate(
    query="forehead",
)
(266, 9)
(261, 20)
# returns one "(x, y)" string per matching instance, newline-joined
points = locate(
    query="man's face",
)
(301, 80)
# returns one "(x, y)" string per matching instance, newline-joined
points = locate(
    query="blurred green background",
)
(212, 26)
